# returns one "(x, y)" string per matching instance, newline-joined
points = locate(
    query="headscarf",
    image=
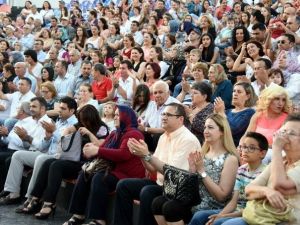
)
(128, 121)
(292, 64)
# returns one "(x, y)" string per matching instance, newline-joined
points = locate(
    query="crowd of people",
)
(212, 87)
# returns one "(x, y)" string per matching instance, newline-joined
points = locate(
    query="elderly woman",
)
(126, 165)
(222, 87)
(85, 96)
(201, 108)
(279, 183)
(207, 25)
(243, 98)
(49, 93)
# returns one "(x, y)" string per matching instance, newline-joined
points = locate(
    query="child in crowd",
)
(194, 57)
(107, 56)
(276, 76)
(253, 150)
(224, 37)
(108, 115)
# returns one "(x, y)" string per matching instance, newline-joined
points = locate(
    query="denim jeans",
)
(231, 221)
(201, 217)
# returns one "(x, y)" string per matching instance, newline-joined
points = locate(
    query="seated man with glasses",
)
(252, 151)
(174, 147)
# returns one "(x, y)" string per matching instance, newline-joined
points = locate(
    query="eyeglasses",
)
(45, 92)
(250, 149)
(169, 115)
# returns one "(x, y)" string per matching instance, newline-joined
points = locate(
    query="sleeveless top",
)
(267, 126)
(213, 168)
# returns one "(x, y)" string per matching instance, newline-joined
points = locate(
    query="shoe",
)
(33, 207)
(7, 200)
(24, 205)
(74, 221)
(4, 193)
(44, 216)
(93, 222)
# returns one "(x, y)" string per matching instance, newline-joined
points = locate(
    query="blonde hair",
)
(51, 88)
(220, 74)
(113, 104)
(209, 19)
(227, 139)
(268, 94)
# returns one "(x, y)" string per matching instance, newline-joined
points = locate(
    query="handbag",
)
(260, 212)
(96, 165)
(181, 185)
(70, 147)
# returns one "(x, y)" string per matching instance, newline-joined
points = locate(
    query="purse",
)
(96, 165)
(260, 212)
(70, 147)
(181, 185)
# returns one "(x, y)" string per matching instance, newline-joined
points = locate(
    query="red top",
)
(100, 89)
(126, 164)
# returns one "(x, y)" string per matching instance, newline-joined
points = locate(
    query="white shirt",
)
(257, 87)
(153, 113)
(16, 99)
(138, 37)
(63, 84)
(35, 16)
(74, 69)
(34, 129)
(37, 70)
(6, 104)
(127, 86)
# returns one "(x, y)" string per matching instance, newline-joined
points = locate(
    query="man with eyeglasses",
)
(38, 47)
(74, 66)
(173, 148)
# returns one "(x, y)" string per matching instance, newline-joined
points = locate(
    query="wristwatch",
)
(116, 85)
(148, 157)
(203, 174)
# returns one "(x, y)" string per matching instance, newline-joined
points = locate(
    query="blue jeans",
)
(201, 217)
(231, 221)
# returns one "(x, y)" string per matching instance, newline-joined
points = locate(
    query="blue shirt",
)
(51, 144)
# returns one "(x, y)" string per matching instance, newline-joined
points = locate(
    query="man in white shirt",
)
(10, 141)
(124, 87)
(173, 148)
(261, 73)
(64, 80)
(20, 69)
(23, 95)
(31, 138)
(137, 35)
(38, 48)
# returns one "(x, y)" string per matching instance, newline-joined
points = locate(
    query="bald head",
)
(20, 69)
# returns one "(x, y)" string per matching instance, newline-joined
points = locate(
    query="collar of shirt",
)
(175, 133)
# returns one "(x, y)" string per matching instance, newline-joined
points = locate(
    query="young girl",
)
(107, 54)
(209, 52)
(108, 115)
(276, 76)
(232, 75)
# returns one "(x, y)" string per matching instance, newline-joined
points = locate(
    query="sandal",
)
(22, 207)
(33, 207)
(74, 221)
(44, 216)
(93, 222)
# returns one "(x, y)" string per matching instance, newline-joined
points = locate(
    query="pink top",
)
(268, 127)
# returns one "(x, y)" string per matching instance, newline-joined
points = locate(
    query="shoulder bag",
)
(181, 185)
(70, 147)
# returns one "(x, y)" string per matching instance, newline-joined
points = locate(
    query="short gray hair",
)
(25, 107)
(162, 83)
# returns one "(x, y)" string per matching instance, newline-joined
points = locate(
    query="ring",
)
(134, 151)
